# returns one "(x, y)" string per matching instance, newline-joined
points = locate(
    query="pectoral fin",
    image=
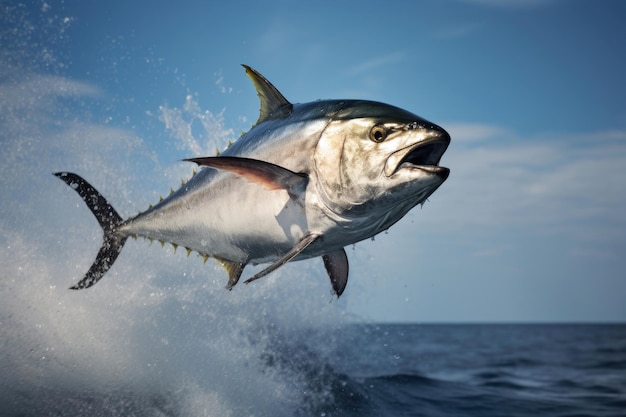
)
(271, 176)
(336, 264)
(302, 245)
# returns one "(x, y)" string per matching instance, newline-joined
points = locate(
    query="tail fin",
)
(109, 221)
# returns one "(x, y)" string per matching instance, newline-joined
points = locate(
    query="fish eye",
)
(378, 133)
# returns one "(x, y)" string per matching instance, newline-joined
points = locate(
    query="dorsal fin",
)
(273, 104)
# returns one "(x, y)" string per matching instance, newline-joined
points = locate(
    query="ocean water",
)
(383, 370)
(483, 370)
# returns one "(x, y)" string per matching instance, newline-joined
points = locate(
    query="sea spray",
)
(162, 333)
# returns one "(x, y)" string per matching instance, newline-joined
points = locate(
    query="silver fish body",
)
(305, 181)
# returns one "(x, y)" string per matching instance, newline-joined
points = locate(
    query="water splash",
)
(160, 335)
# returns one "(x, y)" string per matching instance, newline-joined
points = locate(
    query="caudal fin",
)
(109, 221)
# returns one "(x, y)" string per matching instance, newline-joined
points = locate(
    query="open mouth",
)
(424, 155)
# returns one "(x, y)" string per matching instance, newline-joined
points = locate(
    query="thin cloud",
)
(29, 90)
(549, 180)
(457, 31)
(473, 132)
(376, 62)
(516, 4)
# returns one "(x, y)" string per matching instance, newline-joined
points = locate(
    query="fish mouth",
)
(423, 155)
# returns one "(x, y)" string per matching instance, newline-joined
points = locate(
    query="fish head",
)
(373, 159)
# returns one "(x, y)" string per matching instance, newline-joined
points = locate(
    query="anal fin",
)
(234, 270)
(300, 246)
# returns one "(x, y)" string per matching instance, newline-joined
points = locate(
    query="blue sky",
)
(530, 225)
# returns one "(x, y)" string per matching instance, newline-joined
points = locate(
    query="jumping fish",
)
(305, 181)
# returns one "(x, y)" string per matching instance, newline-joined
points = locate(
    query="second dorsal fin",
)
(273, 104)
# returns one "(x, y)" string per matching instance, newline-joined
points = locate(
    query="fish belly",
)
(239, 221)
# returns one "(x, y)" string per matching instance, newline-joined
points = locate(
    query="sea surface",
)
(397, 370)
(482, 370)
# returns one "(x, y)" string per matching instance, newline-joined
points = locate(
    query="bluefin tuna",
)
(306, 181)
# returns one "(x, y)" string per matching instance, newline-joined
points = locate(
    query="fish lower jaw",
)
(441, 172)
(420, 170)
